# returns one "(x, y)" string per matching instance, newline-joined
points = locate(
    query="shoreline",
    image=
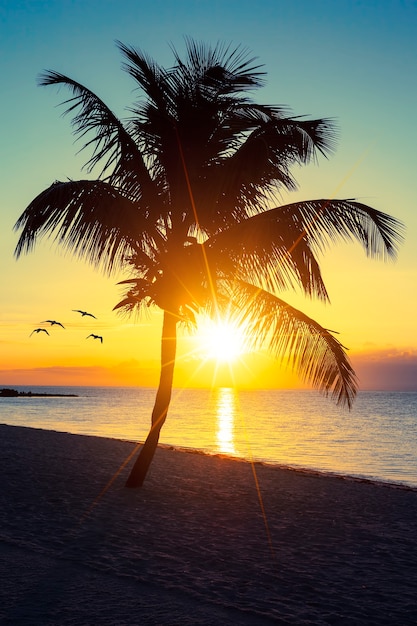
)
(292, 468)
(255, 462)
(203, 541)
(377, 441)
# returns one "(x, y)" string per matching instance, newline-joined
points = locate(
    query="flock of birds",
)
(55, 323)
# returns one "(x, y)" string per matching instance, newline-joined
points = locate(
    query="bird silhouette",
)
(53, 323)
(83, 313)
(39, 330)
(95, 337)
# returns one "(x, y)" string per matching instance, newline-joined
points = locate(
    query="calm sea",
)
(376, 440)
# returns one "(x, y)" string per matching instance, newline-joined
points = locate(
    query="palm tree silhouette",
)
(183, 199)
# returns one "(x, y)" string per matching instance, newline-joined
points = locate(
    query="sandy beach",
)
(207, 540)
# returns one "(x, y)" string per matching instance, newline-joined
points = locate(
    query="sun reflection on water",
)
(226, 412)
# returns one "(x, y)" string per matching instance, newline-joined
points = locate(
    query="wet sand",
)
(207, 540)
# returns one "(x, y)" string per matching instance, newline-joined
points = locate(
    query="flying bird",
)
(84, 313)
(53, 323)
(39, 330)
(95, 337)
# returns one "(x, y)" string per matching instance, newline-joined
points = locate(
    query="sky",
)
(354, 61)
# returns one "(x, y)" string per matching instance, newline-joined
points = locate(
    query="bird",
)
(53, 323)
(83, 313)
(39, 330)
(95, 337)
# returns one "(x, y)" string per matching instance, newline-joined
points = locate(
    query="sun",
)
(222, 340)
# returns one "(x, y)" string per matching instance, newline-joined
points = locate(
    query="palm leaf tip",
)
(321, 360)
(343, 385)
(308, 348)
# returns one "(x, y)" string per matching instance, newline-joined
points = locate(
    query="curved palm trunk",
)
(163, 398)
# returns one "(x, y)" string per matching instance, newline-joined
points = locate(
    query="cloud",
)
(389, 369)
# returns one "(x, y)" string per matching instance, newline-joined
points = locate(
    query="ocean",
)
(376, 440)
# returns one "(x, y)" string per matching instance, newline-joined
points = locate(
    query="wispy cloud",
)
(389, 369)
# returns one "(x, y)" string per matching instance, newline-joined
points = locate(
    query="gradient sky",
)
(354, 61)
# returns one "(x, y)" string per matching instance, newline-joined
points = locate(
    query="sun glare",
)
(222, 340)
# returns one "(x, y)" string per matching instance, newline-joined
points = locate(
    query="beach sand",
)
(196, 545)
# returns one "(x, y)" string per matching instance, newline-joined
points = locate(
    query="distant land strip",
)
(13, 393)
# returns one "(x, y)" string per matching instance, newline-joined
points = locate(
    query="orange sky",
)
(355, 65)
(49, 287)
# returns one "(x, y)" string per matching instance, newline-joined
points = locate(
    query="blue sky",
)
(351, 60)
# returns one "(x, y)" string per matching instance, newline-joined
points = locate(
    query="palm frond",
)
(293, 138)
(112, 146)
(223, 69)
(312, 351)
(151, 77)
(277, 248)
(89, 218)
(249, 156)
(326, 221)
(136, 297)
(270, 254)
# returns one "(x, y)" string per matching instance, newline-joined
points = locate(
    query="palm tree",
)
(183, 199)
